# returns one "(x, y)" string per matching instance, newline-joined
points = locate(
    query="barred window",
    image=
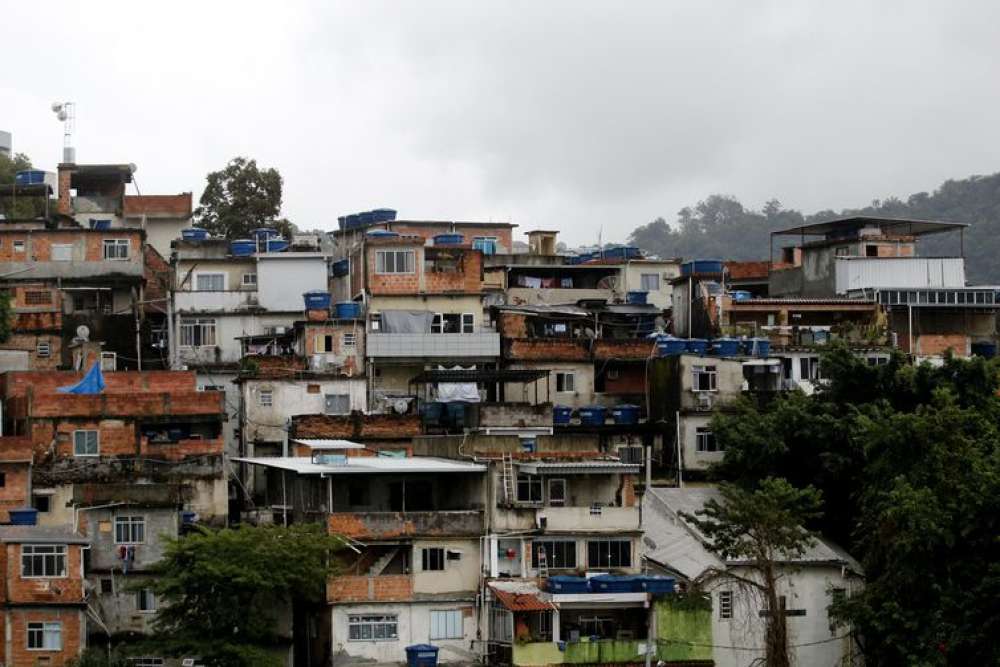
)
(37, 297)
(373, 627)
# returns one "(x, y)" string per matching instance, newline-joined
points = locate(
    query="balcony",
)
(597, 519)
(433, 345)
(212, 301)
(394, 525)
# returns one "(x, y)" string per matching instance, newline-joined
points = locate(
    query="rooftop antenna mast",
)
(66, 112)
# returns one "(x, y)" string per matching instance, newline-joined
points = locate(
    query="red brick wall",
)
(512, 325)
(468, 277)
(547, 349)
(630, 380)
(56, 590)
(14, 492)
(38, 244)
(72, 636)
(380, 427)
(394, 283)
(383, 588)
(122, 382)
(126, 405)
(937, 344)
(623, 349)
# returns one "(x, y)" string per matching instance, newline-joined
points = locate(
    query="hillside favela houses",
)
(506, 435)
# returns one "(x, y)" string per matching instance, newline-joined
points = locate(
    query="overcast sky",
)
(577, 116)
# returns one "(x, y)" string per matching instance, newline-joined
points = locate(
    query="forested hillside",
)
(721, 227)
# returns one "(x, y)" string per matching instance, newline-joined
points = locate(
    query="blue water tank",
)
(612, 583)
(347, 310)
(987, 350)
(317, 300)
(727, 347)
(366, 218)
(623, 252)
(276, 244)
(384, 214)
(243, 247)
(701, 266)
(352, 221)
(421, 655)
(100, 224)
(657, 584)
(636, 298)
(741, 295)
(448, 239)
(341, 267)
(592, 415)
(565, 584)
(264, 233)
(625, 414)
(667, 346)
(381, 233)
(760, 347)
(697, 345)
(194, 234)
(29, 177)
(23, 516)
(561, 414)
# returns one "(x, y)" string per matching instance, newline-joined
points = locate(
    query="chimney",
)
(65, 201)
(542, 242)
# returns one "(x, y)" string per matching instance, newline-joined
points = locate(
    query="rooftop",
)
(901, 226)
(365, 465)
(40, 534)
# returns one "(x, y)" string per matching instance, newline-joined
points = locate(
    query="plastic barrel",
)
(566, 584)
(448, 239)
(23, 516)
(697, 345)
(317, 300)
(243, 247)
(347, 310)
(276, 245)
(636, 298)
(727, 347)
(194, 234)
(341, 267)
(625, 414)
(561, 414)
(384, 214)
(592, 415)
(366, 218)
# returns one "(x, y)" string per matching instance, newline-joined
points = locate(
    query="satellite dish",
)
(83, 332)
(57, 106)
(133, 167)
(62, 115)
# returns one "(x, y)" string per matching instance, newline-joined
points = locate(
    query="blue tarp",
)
(91, 383)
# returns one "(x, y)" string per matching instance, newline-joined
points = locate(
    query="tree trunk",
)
(776, 641)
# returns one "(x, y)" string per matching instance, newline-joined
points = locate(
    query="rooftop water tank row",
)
(596, 415)
(610, 583)
(667, 346)
(696, 266)
(357, 220)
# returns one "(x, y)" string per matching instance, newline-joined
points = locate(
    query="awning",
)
(580, 468)
(480, 375)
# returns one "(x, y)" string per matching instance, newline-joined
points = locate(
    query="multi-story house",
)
(162, 217)
(126, 467)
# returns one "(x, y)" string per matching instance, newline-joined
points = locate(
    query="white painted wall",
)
(282, 278)
(693, 459)
(413, 627)
(290, 398)
(228, 326)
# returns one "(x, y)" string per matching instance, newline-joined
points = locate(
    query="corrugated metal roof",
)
(521, 596)
(581, 467)
(897, 225)
(324, 443)
(791, 301)
(362, 465)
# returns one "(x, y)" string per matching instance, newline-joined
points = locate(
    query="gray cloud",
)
(575, 115)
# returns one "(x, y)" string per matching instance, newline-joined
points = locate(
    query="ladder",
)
(507, 474)
(543, 563)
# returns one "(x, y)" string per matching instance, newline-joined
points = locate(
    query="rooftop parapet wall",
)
(392, 525)
(179, 404)
(123, 382)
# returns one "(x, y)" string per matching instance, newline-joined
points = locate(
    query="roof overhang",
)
(580, 468)
(901, 226)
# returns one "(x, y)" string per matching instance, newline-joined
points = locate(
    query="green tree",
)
(6, 315)
(762, 527)
(22, 208)
(242, 197)
(223, 590)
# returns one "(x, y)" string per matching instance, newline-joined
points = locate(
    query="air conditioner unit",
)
(705, 400)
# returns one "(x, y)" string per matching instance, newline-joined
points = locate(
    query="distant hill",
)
(721, 227)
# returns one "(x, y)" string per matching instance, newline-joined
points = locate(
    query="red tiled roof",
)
(521, 601)
(174, 205)
(747, 270)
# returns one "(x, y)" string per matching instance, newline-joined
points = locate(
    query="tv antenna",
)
(66, 112)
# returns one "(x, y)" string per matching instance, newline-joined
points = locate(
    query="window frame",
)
(567, 552)
(269, 401)
(453, 622)
(43, 349)
(59, 553)
(145, 601)
(432, 559)
(710, 371)
(346, 398)
(44, 630)
(244, 282)
(213, 275)
(131, 523)
(556, 481)
(705, 441)
(467, 326)
(605, 559)
(195, 332)
(111, 357)
(382, 267)
(533, 484)
(349, 339)
(97, 442)
(373, 621)
(116, 245)
(561, 377)
(643, 277)
(725, 605)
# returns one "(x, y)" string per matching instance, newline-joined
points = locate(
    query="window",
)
(109, 361)
(337, 404)
(559, 554)
(725, 604)
(37, 297)
(394, 261)
(486, 244)
(871, 251)
(198, 332)
(650, 282)
(86, 443)
(211, 387)
(43, 349)
(529, 489)
(609, 553)
(116, 249)
(468, 323)
(145, 600)
(557, 492)
(43, 560)
(809, 368)
(349, 340)
(375, 321)
(265, 398)
(565, 381)
(18, 246)
(446, 624)
(432, 559)
(372, 627)
(323, 343)
(107, 586)
(210, 282)
(44, 636)
(3, 479)
(705, 378)
(704, 440)
(62, 252)
(41, 502)
(130, 529)
(528, 444)
(842, 251)
(249, 279)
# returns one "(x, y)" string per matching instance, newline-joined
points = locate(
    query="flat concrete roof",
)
(364, 465)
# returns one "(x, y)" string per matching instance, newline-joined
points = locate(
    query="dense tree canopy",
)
(242, 197)
(223, 591)
(907, 459)
(721, 227)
